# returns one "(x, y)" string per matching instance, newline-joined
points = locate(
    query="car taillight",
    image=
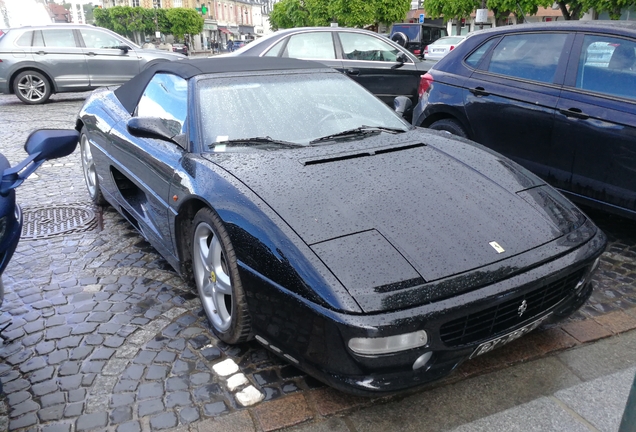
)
(426, 49)
(416, 52)
(452, 47)
(425, 83)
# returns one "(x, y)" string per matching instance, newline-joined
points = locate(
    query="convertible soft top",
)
(130, 92)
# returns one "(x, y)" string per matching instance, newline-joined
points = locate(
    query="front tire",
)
(217, 278)
(90, 173)
(32, 87)
(451, 126)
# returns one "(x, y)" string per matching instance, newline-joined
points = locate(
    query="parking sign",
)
(421, 18)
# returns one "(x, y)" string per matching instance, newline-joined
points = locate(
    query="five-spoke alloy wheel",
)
(88, 166)
(32, 87)
(217, 278)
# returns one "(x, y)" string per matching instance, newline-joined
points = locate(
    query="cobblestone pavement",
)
(102, 334)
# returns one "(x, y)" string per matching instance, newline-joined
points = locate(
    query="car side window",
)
(97, 39)
(607, 65)
(316, 45)
(475, 58)
(166, 97)
(358, 46)
(25, 40)
(58, 38)
(531, 56)
(275, 50)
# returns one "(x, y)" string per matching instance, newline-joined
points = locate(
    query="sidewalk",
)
(581, 389)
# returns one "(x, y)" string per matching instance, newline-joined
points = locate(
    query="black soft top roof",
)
(130, 92)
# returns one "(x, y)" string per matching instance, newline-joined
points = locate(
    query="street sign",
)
(421, 18)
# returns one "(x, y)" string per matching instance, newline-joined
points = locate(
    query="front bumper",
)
(315, 339)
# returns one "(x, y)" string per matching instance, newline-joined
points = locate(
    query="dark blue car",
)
(559, 98)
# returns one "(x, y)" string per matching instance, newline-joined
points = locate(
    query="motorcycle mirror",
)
(47, 144)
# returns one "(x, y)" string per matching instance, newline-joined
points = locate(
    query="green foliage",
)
(184, 21)
(347, 13)
(450, 9)
(127, 20)
(288, 14)
(613, 7)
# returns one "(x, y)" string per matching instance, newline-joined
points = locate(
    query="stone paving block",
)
(69, 368)
(122, 399)
(617, 322)
(155, 372)
(22, 422)
(283, 412)
(69, 342)
(121, 414)
(163, 421)
(96, 421)
(77, 395)
(43, 388)
(71, 382)
(58, 356)
(133, 426)
(150, 390)
(148, 407)
(23, 408)
(42, 374)
(175, 399)
(52, 399)
(51, 413)
(18, 397)
(586, 331)
(60, 427)
(188, 415)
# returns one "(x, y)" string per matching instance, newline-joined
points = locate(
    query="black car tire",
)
(400, 39)
(88, 168)
(449, 125)
(32, 87)
(217, 278)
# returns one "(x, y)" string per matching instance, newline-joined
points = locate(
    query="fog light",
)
(422, 360)
(389, 344)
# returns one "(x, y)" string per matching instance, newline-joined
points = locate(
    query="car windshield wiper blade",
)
(255, 140)
(362, 130)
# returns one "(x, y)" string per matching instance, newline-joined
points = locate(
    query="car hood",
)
(398, 210)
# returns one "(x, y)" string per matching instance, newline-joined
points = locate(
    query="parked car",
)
(180, 48)
(238, 44)
(559, 98)
(415, 36)
(38, 61)
(383, 67)
(441, 47)
(40, 146)
(382, 258)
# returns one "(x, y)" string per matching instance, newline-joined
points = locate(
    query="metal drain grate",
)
(56, 220)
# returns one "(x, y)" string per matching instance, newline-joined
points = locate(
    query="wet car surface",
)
(134, 315)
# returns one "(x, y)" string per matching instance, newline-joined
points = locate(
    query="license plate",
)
(438, 50)
(502, 340)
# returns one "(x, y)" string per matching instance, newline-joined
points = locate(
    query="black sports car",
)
(372, 254)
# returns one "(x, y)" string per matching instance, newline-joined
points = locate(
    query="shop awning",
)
(224, 30)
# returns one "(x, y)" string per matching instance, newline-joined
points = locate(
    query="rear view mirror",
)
(45, 144)
(124, 48)
(155, 127)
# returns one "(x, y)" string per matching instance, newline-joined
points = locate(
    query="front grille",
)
(498, 319)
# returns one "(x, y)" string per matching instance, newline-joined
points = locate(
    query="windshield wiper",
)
(256, 141)
(362, 130)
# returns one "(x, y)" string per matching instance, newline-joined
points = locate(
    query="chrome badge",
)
(522, 308)
(496, 247)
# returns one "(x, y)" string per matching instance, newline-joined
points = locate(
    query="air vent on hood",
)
(358, 154)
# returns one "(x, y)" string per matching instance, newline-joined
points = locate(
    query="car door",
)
(107, 63)
(58, 53)
(310, 45)
(369, 60)
(144, 167)
(596, 114)
(510, 100)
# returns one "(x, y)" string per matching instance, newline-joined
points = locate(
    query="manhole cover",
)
(55, 220)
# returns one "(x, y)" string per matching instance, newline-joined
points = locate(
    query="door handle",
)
(354, 72)
(40, 53)
(574, 112)
(479, 91)
(91, 53)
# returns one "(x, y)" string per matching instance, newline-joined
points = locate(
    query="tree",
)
(451, 9)
(288, 14)
(613, 7)
(184, 21)
(352, 13)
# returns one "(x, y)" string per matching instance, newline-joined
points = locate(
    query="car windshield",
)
(294, 109)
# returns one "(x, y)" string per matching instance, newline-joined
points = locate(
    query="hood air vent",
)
(359, 154)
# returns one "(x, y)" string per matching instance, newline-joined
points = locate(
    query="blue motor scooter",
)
(41, 145)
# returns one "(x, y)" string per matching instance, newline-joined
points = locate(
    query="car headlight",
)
(389, 344)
